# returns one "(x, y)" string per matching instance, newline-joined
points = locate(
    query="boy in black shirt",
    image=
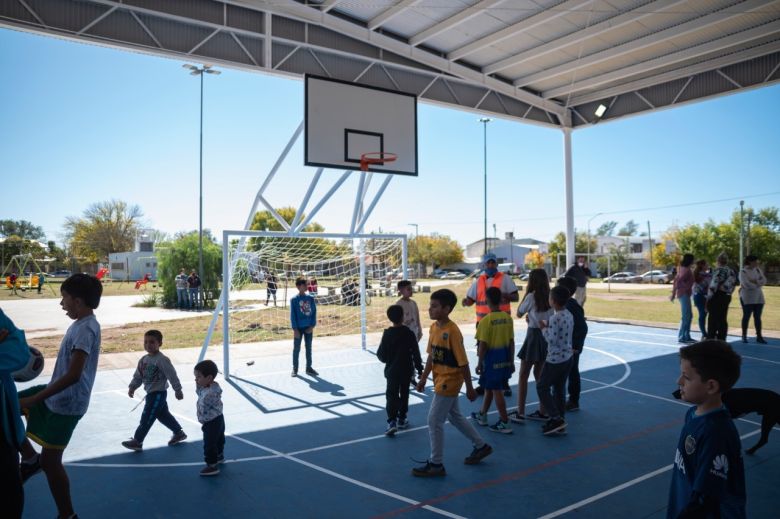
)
(399, 351)
(577, 342)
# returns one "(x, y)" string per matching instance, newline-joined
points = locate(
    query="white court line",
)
(678, 347)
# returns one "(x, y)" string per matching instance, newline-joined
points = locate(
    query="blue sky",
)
(81, 123)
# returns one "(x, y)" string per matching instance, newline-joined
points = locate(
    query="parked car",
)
(60, 274)
(623, 277)
(453, 275)
(656, 276)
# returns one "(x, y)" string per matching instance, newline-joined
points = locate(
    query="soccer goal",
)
(351, 276)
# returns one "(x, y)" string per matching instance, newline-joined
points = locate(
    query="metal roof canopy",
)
(548, 62)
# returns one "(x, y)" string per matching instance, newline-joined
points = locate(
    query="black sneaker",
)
(478, 455)
(392, 428)
(553, 425)
(538, 416)
(177, 438)
(571, 405)
(294, 373)
(312, 372)
(429, 470)
(28, 470)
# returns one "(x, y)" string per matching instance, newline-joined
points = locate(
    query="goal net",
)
(352, 277)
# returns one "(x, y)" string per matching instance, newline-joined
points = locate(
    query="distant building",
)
(507, 250)
(136, 264)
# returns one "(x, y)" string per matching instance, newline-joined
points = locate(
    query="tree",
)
(21, 228)
(535, 259)
(615, 261)
(606, 228)
(558, 246)
(434, 250)
(182, 253)
(105, 227)
(629, 229)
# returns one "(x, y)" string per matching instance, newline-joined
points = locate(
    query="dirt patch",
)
(625, 297)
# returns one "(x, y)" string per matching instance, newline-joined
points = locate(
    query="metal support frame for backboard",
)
(358, 221)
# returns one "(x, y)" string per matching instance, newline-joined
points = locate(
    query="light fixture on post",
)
(200, 71)
(484, 121)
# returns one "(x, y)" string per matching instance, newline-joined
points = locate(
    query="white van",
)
(507, 268)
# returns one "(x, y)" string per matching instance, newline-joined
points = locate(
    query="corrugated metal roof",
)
(550, 62)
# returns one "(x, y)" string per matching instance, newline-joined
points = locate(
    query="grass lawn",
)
(51, 289)
(622, 303)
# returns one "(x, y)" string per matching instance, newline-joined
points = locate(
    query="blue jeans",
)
(181, 297)
(155, 408)
(194, 303)
(700, 300)
(686, 317)
(307, 337)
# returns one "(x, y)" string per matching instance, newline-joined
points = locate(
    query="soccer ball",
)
(32, 369)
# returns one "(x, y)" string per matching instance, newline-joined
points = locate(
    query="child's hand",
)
(471, 394)
(130, 392)
(26, 402)
(420, 385)
(4, 333)
(478, 369)
(179, 395)
(310, 329)
(542, 324)
(296, 333)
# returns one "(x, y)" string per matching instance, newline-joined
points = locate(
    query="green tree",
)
(21, 228)
(606, 228)
(104, 227)
(629, 229)
(434, 250)
(182, 253)
(558, 247)
(615, 261)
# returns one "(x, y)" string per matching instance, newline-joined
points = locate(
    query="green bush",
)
(182, 253)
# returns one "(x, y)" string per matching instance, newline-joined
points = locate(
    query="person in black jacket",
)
(577, 342)
(401, 355)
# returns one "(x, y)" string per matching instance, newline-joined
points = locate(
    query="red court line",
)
(512, 476)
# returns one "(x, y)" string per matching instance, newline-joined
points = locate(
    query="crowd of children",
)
(708, 475)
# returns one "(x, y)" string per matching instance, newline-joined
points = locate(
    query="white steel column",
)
(569, 195)
(362, 252)
(225, 317)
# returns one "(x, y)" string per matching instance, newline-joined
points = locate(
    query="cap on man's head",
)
(488, 257)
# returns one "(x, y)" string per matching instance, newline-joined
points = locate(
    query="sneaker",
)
(480, 418)
(478, 455)
(294, 373)
(29, 469)
(501, 427)
(176, 438)
(516, 417)
(429, 470)
(538, 416)
(210, 470)
(553, 425)
(760, 340)
(310, 371)
(571, 405)
(392, 428)
(403, 423)
(133, 445)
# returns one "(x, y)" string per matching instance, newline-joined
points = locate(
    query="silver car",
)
(656, 276)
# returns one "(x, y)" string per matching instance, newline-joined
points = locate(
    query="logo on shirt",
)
(690, 445)
(720, 466)
(679, 461)
(445, 336)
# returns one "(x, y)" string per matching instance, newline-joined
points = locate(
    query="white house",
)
(134, 265)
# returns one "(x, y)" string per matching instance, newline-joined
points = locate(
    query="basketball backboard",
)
(345, 121)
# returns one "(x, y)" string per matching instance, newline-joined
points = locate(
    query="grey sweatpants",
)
(444, 407)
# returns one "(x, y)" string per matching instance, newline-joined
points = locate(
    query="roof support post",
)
(568, 190)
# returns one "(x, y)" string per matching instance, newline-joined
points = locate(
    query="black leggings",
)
(717, 324)
(756, 310)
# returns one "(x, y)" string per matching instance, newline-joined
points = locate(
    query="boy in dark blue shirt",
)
(577, 342)
(303, 319)
(708, 477)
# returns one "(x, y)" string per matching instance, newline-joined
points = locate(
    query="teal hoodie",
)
(14, 354)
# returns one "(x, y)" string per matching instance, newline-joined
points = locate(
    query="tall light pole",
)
(484, 121)
(200, 71)
(416, 229)
(741, 233)
(590, 220)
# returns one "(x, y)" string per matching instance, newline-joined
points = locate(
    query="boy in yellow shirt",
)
(447, 359)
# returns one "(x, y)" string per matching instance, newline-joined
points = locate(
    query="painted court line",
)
(677, 347)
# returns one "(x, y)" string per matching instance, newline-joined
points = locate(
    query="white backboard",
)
(344, 120)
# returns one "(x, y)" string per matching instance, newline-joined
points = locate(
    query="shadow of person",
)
(321, 385)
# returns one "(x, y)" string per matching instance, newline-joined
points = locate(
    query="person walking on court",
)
(719, 298)
(751, 279)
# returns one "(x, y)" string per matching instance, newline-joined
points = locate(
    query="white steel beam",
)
(638, 44)
(593, 31)
(327, 5)
(731, 59)
(728, 42)
(445, 25)
(543, 16)
(388, 14)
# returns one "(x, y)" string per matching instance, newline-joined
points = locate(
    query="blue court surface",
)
(314, 447)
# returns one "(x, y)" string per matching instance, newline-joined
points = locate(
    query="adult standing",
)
(682, 289)
(701, 283)
(477, 294)
(271, 287)
(581, 273)
(751, 279)
(719, 297)
(181, 290)
(193, 284)
(41, 281)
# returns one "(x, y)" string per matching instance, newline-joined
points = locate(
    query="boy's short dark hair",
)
(560, 295)
(157, 334)
(300, 281)
(445, 297)
(85, 287)
(207, 368)
(395, 313)
(493, 295)
(569, 283)
(714, 360)
(404, 283)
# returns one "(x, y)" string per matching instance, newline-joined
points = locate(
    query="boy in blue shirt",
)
(708, 477)
(303, 319)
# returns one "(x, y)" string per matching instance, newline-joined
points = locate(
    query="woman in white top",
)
(751, 279)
